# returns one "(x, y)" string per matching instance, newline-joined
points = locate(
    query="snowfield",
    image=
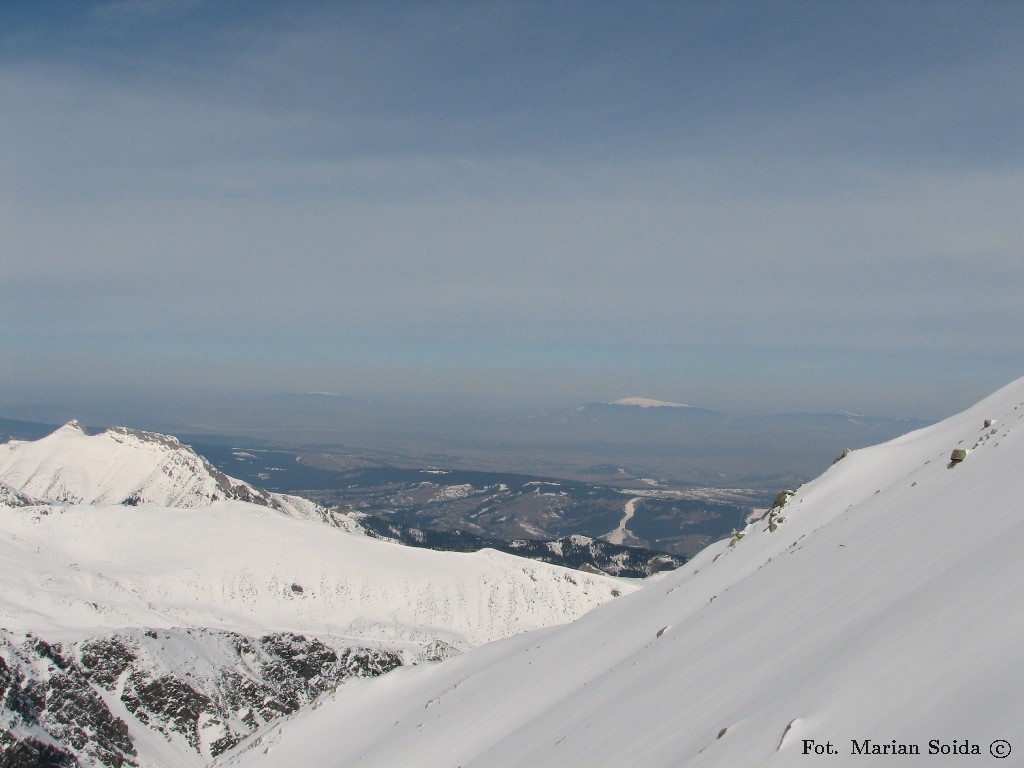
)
(879, 606)
(242, 567)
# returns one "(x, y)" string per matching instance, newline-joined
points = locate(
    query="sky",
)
(756, 206)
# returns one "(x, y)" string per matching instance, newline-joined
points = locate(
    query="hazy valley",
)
(687, 475)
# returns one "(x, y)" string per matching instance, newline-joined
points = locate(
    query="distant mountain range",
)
(649, 438)
(685, 443)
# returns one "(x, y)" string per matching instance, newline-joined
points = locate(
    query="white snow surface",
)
(881, 602)
(618, 536)
(73, 571)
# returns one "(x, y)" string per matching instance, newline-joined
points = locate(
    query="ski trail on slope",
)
(619, 534)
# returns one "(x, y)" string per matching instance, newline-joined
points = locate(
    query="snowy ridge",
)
(118, 466)
(242, 567)
(132, 467)
(876, 606)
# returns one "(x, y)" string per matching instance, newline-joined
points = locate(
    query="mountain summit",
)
(117, 466)
(134, 468)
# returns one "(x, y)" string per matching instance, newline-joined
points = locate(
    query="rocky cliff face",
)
(11, 497)
(187, 692)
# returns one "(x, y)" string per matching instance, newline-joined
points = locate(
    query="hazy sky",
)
(754, 205)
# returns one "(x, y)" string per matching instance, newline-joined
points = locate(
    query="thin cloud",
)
(471, 180)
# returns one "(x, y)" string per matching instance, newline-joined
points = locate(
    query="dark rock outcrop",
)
(67, 704)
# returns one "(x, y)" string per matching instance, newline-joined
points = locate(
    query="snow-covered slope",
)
(878, 606)
(133, 630)
(237, 566)
(97, 598)
(172, 698)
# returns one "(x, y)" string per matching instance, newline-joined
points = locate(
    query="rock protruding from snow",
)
(10, 497)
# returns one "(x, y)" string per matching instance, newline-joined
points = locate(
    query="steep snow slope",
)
(880, 602)
(234, 565)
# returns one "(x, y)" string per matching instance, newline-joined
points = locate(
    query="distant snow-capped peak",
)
(644, 402)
